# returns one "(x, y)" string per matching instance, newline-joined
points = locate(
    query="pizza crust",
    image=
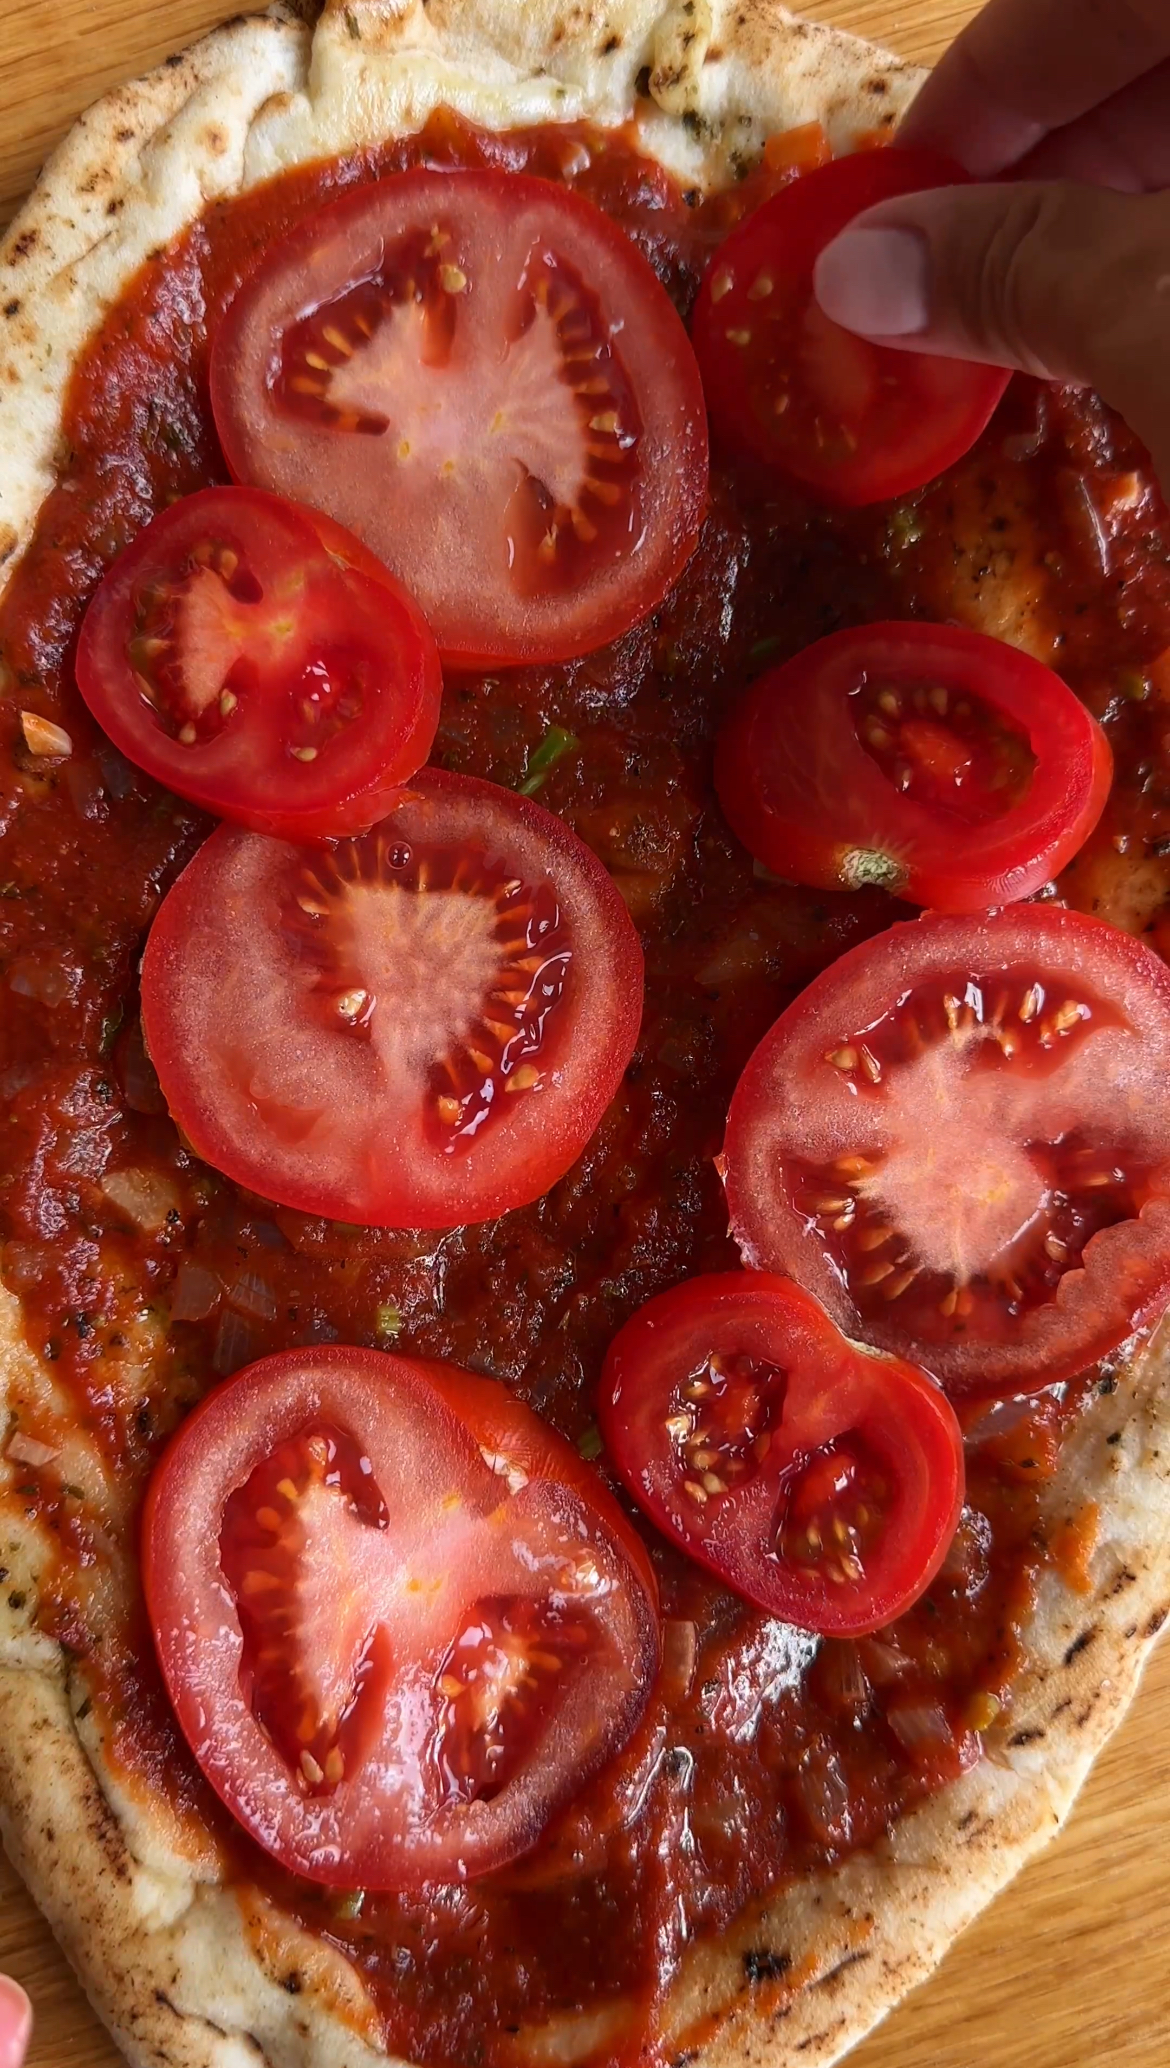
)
(182, 1971)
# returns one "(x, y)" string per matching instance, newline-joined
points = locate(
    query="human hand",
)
(15, 2023)
(1063, 270)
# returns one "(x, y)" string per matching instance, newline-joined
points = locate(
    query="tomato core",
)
(1038, 1203)
(557, 389)
(200, 642)
(313, 1661)
(419, 1027)
(445, 936)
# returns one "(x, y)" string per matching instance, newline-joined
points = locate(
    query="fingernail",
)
(875, 281)
(15, 2022)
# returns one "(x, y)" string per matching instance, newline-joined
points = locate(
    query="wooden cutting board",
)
(1069, 1968)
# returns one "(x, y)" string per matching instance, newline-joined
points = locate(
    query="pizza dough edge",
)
(166, 1957)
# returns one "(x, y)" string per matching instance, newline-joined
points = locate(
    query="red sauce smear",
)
(751, 1766)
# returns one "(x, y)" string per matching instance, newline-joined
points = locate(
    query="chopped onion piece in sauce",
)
(147, 1196)
(47, 741)
(29, 1450)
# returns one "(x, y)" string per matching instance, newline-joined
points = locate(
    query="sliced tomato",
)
(957, 1138)
(421, 1027)
(258, 659)
(395, 1647)
(853, 421)
(480, 375)
(945, 766)
(819, 1480)
(507, 1430)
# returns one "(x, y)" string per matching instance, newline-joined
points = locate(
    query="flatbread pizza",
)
(726, 1826)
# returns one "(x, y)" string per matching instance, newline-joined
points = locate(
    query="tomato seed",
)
(898, 1285)
(260, 1582)
(873, 1238)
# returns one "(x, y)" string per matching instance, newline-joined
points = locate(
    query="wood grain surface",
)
(1069, 1968)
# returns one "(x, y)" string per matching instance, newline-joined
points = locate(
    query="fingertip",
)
(875, 280)
(15, 2023)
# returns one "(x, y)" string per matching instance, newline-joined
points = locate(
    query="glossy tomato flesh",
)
(421, 1027)
(852, 421)
(957, 1138)
(257, 658)
(399, 1623)
(481, 375)
(820, 1481)
(948, 767)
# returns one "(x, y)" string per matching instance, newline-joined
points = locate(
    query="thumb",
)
(1068, 282)
(15, 2023)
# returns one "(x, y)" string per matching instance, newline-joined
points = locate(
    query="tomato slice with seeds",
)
(420, 1027)
(852, 421)
(957, 1139)
(820, 1481)
(943, 765)
(399, 1625)
(480, 375)
(258, 659)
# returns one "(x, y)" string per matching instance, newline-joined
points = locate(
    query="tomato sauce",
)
(144, 1276)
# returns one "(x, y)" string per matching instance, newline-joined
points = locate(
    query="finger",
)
(15, 2023)
(1069, 282)
(1124, 143)
(1023, 68)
